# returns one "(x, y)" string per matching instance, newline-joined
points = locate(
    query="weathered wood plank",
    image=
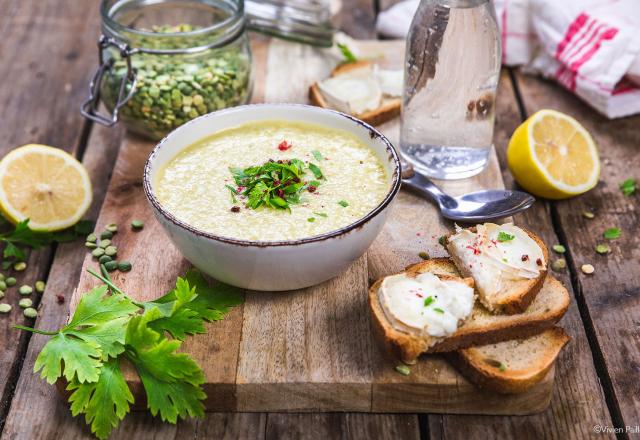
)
(578, 402)
(610, 298)
(342, 426)
(33, 111)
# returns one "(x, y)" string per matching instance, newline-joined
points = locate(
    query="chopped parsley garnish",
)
(311, 219)
(343, 203)
(321, 214)
(612, 233)
(503, 236)
(315, 169)
(628, 187)
(349, 57)
(273, 184)
(428, 300)
(317, 155)
(438, 309)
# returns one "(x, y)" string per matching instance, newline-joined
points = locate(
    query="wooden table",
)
(48, 54)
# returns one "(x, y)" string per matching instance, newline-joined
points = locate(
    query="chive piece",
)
(104, 259)
(137, 225)
(559, 248)
(311, 219)
(110, 251)
(343, 203)
(98, 252)
(3, 286)
(612, 233)
(91, 245)
(349, 57)
(112, 227)
(25, 290)
(428, 300)
(19, 266)
(321, 214)
(403, 369)
(30, 312)
(503, 236)
(603, 249)
(91, 238)
(588, 214)
(11, 281)
(104, 243)
(423, 255)
(5, 308)
(317, 155)
(438, 309)
(25, 302)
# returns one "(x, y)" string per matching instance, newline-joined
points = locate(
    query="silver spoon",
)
(477, 206)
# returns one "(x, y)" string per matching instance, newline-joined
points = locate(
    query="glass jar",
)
(163, 63)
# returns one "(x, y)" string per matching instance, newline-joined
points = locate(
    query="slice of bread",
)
(481, 328)
(512, 366)
(514, 295)
(389, 107)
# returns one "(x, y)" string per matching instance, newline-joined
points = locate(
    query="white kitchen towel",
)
(591, 47)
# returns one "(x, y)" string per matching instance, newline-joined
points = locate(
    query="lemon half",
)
(551, 155)
(44, 184)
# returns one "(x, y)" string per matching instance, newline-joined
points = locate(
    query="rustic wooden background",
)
(47, 53)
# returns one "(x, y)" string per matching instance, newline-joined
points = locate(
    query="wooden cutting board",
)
(312, 349)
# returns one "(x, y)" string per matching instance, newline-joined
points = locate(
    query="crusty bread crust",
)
(472, 363)
(524, 292)
(389, 108)
(408, 346)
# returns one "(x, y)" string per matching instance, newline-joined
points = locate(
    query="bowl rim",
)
(373, 133)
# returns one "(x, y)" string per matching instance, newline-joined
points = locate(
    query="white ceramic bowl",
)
(271, 265)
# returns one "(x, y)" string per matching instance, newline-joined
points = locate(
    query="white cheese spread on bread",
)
(494, 254)
(425, 303)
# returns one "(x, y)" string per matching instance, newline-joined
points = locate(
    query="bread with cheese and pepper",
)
(400, 332)
(507, 263)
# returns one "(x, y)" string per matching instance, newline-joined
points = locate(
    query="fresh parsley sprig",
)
(108, 327)
(276, 185)
(21, 236)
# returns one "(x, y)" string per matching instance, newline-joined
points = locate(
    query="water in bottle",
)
(452, 69)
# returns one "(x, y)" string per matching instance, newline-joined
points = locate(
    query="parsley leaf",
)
(503, 236)
(23, 236)
(438, 309)
(95, 333)
(349, 57)
(428, 300)
(171, 380)
(104, 402)
(233, 192)
(315, 169)
(343, 203)
(628, 187)
(612, 233)
(317, 155)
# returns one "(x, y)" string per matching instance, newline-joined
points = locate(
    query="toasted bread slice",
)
(514, 295)
(389, 107)
(481, 328)
(510, 367)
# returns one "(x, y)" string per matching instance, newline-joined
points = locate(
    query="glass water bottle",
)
(452, 68)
